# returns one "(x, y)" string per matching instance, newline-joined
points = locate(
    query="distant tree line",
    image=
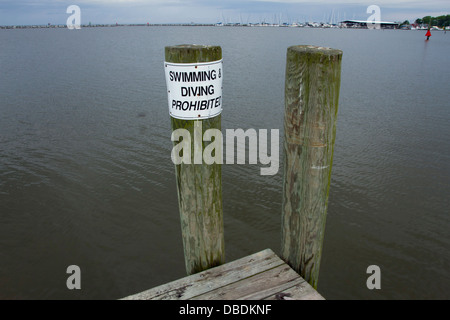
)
(441, 21)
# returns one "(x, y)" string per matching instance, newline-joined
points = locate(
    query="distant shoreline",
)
(321, 25)
(263, 24)
(98, 25)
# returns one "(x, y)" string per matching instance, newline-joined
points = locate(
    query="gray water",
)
(86, 176)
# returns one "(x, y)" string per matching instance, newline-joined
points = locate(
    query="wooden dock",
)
(260, 276)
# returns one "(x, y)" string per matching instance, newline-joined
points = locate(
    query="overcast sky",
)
(25, 12)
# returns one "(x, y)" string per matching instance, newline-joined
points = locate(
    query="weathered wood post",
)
(311, 106)
(194, 83)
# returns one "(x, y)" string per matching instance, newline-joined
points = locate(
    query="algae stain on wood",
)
(199, 185)
(311, 105)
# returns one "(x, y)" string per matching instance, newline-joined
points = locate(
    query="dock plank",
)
(300, 291)
(262, 275)
(268, 281)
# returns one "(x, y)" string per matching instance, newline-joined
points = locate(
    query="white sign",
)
(194, 90)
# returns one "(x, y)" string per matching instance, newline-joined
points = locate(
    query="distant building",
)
(362, 24)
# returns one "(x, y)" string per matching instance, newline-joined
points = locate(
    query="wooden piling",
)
(199, 185)
(311, 105)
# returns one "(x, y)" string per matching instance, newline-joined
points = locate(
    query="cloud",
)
(384, 3)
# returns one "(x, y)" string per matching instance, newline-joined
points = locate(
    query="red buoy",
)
(428, 34)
